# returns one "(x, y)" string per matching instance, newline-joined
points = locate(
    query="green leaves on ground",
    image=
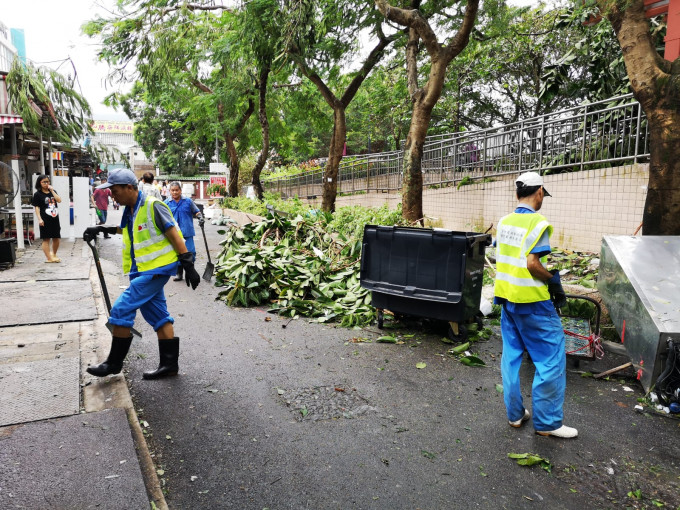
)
(461, 353)
(472, 361)
(299, 266)
(460, 348)
(531, 459)
(428, 455)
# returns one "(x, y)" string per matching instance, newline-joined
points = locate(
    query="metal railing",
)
(595, 135)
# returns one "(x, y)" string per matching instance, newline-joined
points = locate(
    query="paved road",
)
(366, 428)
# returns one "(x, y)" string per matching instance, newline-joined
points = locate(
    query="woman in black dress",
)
(45, 201)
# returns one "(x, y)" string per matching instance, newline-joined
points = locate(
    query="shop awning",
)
(10, 119)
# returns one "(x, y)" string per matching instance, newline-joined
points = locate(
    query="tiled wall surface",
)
(584, 205)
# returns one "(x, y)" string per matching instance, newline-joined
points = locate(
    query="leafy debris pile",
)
(298, 266)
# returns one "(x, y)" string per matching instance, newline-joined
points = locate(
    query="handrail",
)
(580, 137)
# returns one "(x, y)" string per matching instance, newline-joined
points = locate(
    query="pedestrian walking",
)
(152, 248)
(45, 201)
(165, 191)
(184, 210)
(529, 294)
(100, 199)
(148, 187)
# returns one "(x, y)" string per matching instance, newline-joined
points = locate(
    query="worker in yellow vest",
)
(153, 247)
(529, 295)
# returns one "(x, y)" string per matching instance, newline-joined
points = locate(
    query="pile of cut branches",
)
(298, 267)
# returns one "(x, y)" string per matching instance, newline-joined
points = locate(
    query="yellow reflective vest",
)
(152, 249)
(516, 236)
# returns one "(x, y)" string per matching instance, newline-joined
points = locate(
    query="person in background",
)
(529, 295)
(152, 248)
(148, 187)
(184, 210)
(165, 190)
(45, 201)
(100, 199)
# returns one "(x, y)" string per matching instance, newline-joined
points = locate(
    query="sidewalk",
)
(68, 440)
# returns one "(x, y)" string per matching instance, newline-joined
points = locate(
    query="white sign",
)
(218, 168)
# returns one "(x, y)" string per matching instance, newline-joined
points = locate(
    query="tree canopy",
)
(48, 103)
(318, 79)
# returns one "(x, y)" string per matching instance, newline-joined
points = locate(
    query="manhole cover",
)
(38, 390)
(325, 402)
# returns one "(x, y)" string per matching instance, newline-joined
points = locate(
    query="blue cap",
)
(120, 176)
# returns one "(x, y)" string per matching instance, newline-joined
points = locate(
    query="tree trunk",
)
(662, 206)
(264, 123)
(412, 187)
(232, 187)
(330, 176)
(655, 84)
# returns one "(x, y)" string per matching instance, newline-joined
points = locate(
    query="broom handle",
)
(206, 244)
(105, 291)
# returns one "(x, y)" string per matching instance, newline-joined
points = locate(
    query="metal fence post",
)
(540, 152)
(441, 162)
(484, 154)
(521, 146)
(637, 132)
(583, 137)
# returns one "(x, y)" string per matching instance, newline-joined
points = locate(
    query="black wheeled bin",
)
(431, 273)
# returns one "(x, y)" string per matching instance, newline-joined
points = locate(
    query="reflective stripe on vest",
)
(152, 249)
(517, 235)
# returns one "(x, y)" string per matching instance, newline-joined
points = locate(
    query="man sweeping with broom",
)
(152, 248)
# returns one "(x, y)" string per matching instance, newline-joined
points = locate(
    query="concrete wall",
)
(584, 206)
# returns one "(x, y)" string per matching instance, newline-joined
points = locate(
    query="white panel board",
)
(36, 224)
(81, 205)
(60, 184)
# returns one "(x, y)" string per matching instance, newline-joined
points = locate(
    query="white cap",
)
(531, 179)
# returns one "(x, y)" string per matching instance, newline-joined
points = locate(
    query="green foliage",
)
(276, 260)
(465, 181)
(350, 220)
(531, 459)
(292, 206)
(593, 67)
(298, 266)
(65, 113)
(216, 189)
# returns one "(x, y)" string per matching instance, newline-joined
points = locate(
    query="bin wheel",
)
(381, 317)
(480, 322)
(462, 333)
(575, 362)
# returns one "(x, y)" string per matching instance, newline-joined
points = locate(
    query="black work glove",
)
(92, 232)
(192, 277)
(201, 220)
(557, 294)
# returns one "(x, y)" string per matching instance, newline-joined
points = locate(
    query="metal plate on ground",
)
(70, 268)
(38, 390)
(79, 462)
(41, 341)
(62, 301)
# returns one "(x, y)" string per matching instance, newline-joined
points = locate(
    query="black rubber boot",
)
(169, 354)
(114, 361)
(180, 273)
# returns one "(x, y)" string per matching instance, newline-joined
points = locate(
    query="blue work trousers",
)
(145, 293)
(191, 247)
(543, 337)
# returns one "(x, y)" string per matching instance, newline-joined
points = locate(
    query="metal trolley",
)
(581, 343)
